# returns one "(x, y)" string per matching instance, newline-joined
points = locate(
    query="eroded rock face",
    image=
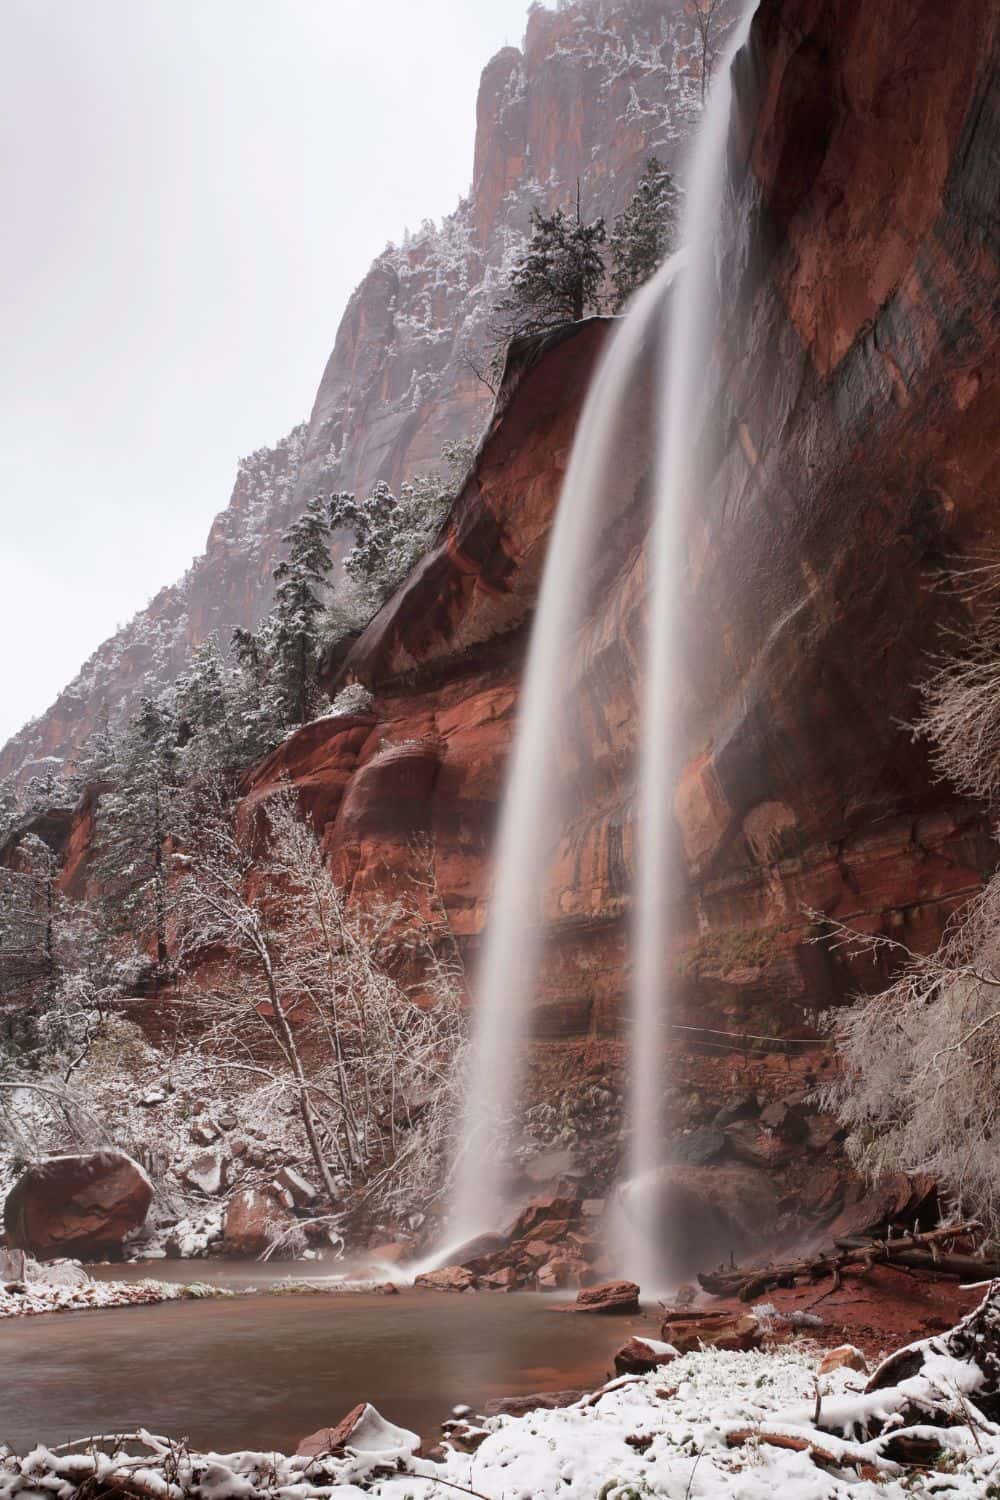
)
(705, 1214)
(81, 1206)
(851, 457)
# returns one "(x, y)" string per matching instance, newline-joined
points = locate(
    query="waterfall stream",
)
(680, 325)
(689, 335)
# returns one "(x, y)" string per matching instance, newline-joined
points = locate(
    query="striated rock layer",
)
(853, 457)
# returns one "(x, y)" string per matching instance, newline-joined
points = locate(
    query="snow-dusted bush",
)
(310, 1013)
(392, 532)
(920, 1081)
(355, 698)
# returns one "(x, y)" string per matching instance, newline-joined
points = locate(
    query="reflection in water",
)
(262, 1372)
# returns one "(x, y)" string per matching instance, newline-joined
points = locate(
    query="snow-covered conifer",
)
(558, 276)
(645, 233)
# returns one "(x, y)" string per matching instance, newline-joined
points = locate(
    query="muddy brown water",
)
(263, 1371)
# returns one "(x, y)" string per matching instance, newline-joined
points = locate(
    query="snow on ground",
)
(662, 1434)
(25, 1299)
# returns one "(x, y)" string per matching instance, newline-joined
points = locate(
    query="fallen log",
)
(824, 1457)
(750, 1282)
(963, 1266)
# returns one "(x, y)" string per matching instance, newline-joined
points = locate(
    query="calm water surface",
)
(263, 1371)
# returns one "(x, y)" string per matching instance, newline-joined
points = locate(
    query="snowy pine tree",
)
(392, 532)
(95, 762)
(645, 233)
(135, 821)
(301, 586)
(557, 279)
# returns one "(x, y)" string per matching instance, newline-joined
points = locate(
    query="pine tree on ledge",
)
(557, 279)
(645, 233)
(301, 583)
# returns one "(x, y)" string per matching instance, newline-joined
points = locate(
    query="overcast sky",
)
(190, 190)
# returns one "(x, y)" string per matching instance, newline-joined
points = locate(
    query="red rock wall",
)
(853, 455)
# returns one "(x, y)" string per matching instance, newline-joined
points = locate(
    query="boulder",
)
(301, 1192)
(550, 1229)
(608, 1297)
(561, 1271)
(447, 1279)
(504, 1280)
(696, 1148)
(740, 1106)
(894, 1197)
(12, 1265)
(254, 1221)
(786, 1118)
(639, 1356)
(844, 1357)
(519, 1406)
(61, 1273)
(687, 1331)
(363, 1430)
(752, 1144)
(545, 1208)
(77, 1205)
(207, 1172)
(534, 1252)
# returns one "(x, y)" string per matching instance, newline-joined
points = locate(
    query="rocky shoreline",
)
(710, 1422)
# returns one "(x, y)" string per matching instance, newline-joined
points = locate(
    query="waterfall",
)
(680, 329)
(690, 334)
(530, 817)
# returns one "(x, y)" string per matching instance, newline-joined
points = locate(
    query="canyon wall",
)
(597, 87)
(853, 460)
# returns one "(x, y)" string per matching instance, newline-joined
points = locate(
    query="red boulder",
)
(688, 1331)
(641, 1355)
(448, 1279)
(254, 1220)
(82, 1206)
(609, 1297)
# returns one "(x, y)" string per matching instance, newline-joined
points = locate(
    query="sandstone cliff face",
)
(598, 86)
(852, 456)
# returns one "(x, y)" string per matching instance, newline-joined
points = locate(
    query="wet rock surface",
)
(610, 1297)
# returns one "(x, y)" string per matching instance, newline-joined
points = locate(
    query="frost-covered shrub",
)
(355, 698)
(393, 531)
(920, 1082)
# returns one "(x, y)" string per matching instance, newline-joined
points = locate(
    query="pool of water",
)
(263, 1371)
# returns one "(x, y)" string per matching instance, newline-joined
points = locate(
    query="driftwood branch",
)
(921, 1251)
(847, 1458)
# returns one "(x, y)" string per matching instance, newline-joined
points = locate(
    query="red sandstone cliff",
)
(854, 453)
(597, 87)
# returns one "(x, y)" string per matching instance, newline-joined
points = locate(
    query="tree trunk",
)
(291, 1050)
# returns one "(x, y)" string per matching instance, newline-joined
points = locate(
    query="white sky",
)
(190, 190)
